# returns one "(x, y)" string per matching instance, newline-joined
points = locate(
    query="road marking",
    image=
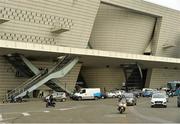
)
(5, 104)
(75, 107)
(46, 111)
(26, 114)
(1, 119)
(116, 115)
(64, 109)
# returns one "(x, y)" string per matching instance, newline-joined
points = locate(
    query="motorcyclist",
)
(170, 93)
(50, 101)
(51, 98)
(122, 104)
(122, 99)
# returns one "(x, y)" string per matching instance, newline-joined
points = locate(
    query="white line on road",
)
(75, 107)
(46, 111)
(64, 109)
(26, 114)
(1, 119)
(116, 115)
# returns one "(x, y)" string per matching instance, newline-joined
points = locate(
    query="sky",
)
(174, 4)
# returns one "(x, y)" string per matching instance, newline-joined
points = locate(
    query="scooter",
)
(170, 94)
(52, 104)
(122, 106)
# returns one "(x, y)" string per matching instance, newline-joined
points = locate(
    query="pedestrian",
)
(27, 94)
(42, 94)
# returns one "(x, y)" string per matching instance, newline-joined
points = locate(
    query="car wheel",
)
(102, 97)
(135, 103)
(165, 106)
(96, 98)
(178, 105)
(63, 100)
(79, 98)
(152, 106)
(113, 96)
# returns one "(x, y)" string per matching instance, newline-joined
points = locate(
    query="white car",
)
(58, 96)
(159, 99)
(115, 93)
(144, 89)
(111, 94)
(163, 92)
(118, 93)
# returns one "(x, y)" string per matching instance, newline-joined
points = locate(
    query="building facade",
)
(108, 36)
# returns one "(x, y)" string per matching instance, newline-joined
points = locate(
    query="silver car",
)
(57, 96)
(130, 98)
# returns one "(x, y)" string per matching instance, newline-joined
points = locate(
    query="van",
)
(88, 93)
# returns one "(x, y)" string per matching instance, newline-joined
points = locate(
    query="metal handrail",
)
(55, 66)
(63, 66)
(23, 84)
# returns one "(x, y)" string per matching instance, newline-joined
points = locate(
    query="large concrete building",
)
(111, 43)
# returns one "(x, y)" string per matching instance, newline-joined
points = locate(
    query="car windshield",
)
(128, 95)
(158, 96)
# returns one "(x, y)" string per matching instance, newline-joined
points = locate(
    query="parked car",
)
(118, 93)
(144, 89)
(111, 94)
(115, 93)
(104, 95)
(147, 92)
(178, 101)
(130, 98)
(158, 99)
(165, 89)
(136, 92)
(58, 96)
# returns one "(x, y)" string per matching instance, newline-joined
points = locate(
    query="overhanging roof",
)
(88, 56)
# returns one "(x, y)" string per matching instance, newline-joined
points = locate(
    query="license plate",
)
(158, 103)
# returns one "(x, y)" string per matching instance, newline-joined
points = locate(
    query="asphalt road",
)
(89, 111)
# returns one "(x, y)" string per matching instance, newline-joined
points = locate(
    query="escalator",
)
(133, 75)
(47, 77)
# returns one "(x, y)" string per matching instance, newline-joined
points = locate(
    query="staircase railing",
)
(18, 89)
(68, 59)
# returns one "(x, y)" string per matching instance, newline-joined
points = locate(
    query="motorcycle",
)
(122, 106)
(170, 94)
(48, 103)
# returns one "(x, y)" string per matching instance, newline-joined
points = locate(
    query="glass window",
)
(83, 91)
